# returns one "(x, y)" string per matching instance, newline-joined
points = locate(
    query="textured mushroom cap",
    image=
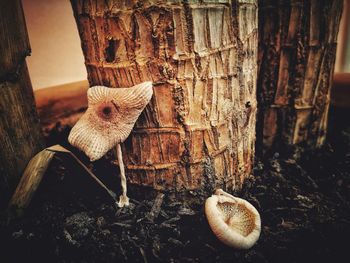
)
(109, 119)
(235, 222)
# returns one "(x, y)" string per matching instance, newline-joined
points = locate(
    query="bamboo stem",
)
(201, 58)
(20, 132)
(296, 62)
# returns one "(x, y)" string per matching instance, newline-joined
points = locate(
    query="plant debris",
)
(303, 199)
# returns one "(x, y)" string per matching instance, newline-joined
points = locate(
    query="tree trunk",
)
(296, 62)
(19, 126)
(199, 129)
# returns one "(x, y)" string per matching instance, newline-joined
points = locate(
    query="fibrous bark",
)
(19, 126)
(297, 44)
(199, 129)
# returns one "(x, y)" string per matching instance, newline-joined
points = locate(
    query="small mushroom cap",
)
(233, 220)
(109, 118)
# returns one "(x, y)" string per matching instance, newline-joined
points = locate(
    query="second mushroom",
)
(108, 121)
(233, 220)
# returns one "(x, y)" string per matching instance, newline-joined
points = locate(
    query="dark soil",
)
(303, 199)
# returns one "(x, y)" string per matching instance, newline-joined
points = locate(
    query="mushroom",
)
(233, 220)
(108, 121)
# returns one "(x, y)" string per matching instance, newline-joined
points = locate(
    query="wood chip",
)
(153, 214)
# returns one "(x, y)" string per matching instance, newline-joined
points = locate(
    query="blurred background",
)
(56, 57)
(343, 49)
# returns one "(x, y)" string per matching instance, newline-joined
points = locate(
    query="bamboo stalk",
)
(20, 132)
(201, 57)
(296, 63)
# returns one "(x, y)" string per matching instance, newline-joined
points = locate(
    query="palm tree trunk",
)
(19, 126)
(296, 62)
(199, 129)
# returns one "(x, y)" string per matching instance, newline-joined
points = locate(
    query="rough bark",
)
(199, 129)
(297, 44)
(19, 126)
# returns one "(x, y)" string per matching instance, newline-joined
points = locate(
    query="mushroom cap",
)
(233, 220)
(109, 118)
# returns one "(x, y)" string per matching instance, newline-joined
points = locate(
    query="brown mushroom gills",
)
(238, 217)
(233, 220)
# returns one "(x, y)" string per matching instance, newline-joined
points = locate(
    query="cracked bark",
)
(199, 129)
(297, 44)
(19, 126)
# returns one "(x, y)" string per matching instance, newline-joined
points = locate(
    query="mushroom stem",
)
(123, 199)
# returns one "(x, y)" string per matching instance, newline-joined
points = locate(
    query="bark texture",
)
(297, 47)
(19, 126)
(199, 129)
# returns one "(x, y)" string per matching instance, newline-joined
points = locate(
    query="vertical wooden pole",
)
(19, 126)
(297, 44)
(199, 129)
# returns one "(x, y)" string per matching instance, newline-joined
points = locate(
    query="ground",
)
(303, 198)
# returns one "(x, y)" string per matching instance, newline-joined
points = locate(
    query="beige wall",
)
(342, 63)
(56, 53)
